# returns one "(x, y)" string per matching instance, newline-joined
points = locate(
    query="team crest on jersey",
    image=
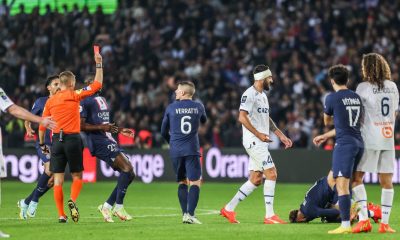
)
(3, 96)
(244, 98)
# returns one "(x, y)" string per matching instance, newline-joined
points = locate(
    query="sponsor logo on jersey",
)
(262, 110)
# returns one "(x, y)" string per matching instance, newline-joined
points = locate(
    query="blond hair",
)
(375, 69)
(66, 77)
(188, 87)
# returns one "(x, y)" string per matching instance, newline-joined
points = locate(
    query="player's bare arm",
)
(245, 121)
(107, 127)
(22, 113)
(318, 140)
(285, 140)
(328, 120)
(99, 68)
(29, 131)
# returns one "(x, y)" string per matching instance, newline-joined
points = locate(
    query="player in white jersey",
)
(6, 105)
(380, 99)
(256, 124)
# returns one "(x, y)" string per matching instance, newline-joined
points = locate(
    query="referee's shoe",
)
(74, 210)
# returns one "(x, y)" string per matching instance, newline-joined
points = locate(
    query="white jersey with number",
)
(5, 102)
(257, 106)
(380, 108)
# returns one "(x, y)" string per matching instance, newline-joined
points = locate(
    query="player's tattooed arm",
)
(272, 125)
(285, 140)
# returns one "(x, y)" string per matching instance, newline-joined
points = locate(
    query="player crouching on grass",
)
(321, 201)
(95, 122)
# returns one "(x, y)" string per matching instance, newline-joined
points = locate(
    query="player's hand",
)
(318, 140)
(45, 149)
(127, 132)
(30, 132)
(98, 58)
(47, 122)
(110, 127)
(286, 141)
(263, 137)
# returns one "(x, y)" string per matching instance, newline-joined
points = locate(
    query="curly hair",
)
(375, 69)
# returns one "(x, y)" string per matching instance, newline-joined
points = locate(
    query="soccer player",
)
(180, 128)
(321, 201)
(344, 109)
(67, 143)
(29, 205)
(6, 105)
(256, 125)
(95, 122)
(380, 98)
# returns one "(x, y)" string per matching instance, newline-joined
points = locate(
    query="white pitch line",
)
(205, 212)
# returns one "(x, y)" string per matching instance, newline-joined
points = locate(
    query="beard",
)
(266, 85)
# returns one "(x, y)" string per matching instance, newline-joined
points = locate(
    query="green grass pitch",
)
(156, 213)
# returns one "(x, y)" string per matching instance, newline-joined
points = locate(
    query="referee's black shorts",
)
(70, 151)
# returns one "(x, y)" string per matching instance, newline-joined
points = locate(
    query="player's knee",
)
(196, 183)
(257, 181)
(185, 181)
(271, 175)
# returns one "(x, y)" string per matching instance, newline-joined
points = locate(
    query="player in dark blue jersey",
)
(95, 122)
(343, 108)
(29, 205)
(179, 127)
(321, 201)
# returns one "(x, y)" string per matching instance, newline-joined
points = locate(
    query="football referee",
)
(67, 146)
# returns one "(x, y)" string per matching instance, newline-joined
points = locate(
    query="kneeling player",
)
(95, 122)
(321, 201)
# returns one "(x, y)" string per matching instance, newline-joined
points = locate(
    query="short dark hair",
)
(89, 78)
(339, 73)
(293, 216)
(260, 68)
(50, 79)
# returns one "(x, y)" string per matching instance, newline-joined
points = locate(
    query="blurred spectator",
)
(148, 46)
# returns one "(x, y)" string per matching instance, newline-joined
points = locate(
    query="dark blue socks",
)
(344, 206)
(193, 199)
(183, 197)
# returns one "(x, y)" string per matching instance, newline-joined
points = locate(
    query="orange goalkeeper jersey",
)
(63, 107)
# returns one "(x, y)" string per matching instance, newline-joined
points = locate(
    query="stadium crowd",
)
(148, 46)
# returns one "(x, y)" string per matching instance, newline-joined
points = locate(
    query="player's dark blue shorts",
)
(41, 155)
(104, 148)
(187, 167)
(345, 159)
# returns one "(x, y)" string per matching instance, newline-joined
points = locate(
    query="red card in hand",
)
(96, 49)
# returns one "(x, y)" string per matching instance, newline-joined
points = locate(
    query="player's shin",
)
(269, 191)
(59, 199)
(183, 197)
(245, 190)
(193, 198)
(344, 205)
(386, 204)
(41, 187)
(76, 188)
(360, 196)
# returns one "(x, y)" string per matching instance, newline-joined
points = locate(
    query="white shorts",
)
(260, 158)
(377, 161)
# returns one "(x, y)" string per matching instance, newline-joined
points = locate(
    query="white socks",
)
(245, 190)
(107, 205)
(360, 196)
(269, 191)
(386, 204)
(346, 224)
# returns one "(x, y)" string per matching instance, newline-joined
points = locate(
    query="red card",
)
(96, 49)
